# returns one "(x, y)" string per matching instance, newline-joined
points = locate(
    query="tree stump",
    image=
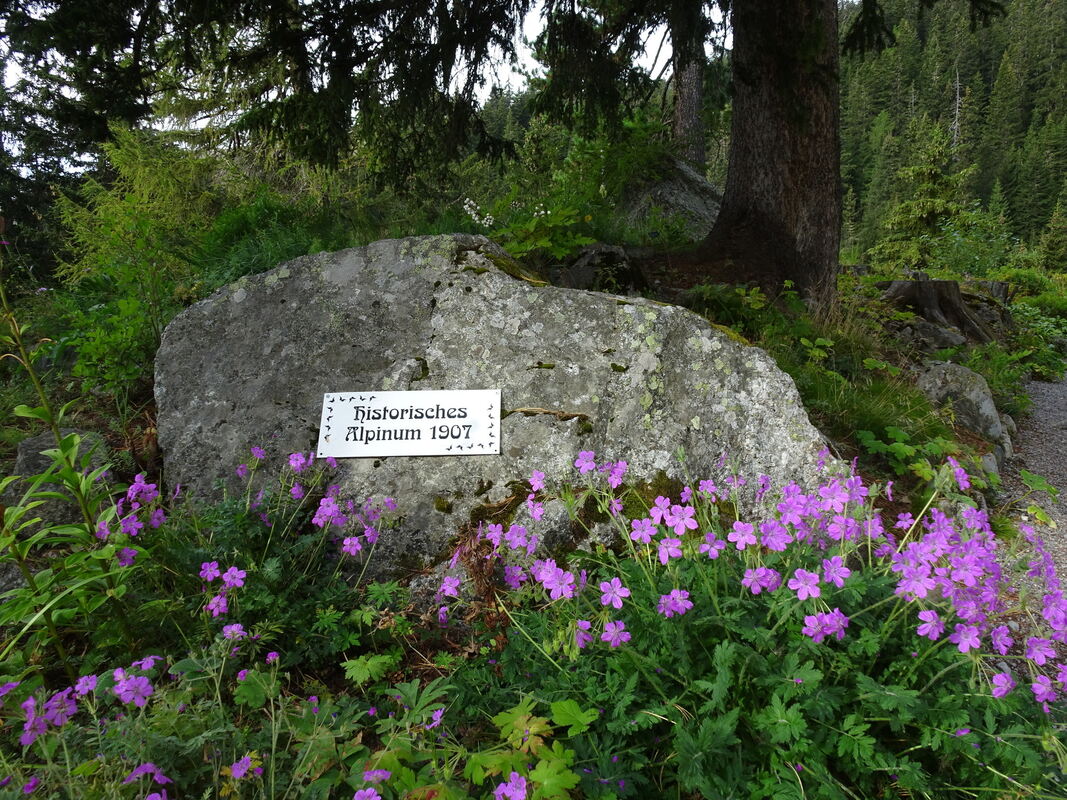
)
(939, 302)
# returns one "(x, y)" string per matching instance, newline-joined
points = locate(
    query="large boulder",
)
(627, 378)
(674, 199)
(967, 392)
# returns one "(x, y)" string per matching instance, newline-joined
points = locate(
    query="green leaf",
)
(40, 412)
(251, 691)
(568, 712)
(370, 667)
(553, 777)
(1036, 483)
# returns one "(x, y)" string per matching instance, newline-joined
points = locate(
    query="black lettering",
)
(419, 413)
(462, 413)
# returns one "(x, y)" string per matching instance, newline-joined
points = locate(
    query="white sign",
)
(430, 423)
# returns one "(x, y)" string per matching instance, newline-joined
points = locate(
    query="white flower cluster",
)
(475, 213)
(540, 210)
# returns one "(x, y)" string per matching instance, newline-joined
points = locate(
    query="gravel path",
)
(1041, 448)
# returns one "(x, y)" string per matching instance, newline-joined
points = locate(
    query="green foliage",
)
(1025, 281)
(903, 456)
(932, 207)
(731, 697)
(1051, 304)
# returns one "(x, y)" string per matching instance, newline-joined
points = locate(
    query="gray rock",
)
(627, 378)
(990, 464)
(677, 196)
(30, 461)
(10, 578)
(1010, 428)
(969, 395)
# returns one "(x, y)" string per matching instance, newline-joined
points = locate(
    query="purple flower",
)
(643, 530)
(681, 519)
(965, 637)
(126, 556)
(712, 546)
(240, 768)
(329, 513)
(366, 794)
(60, 707)
(258, 453)
(516, 537)
(537, 480)
(961, 474)
(298, 462)
(436, 719)
(136, 690)
(1002, 684)
(147, 662)
(272, 656)
(513, 789)
(760, 579)
(660, 510)
(834, 571)
(217, 605)
(241, 471)
(805, 584)
(676, 602)
(1039, 650)
(376, 775)
(84, 685)
(158, 518)
(585, 463)
(351, 545)
(582, 635)
(34, 726)
(742, 535)
(450, 586)
(613, 593)
(297, 492)
(130, 525)
(537, 510)
(668, 549)
(558, 583)
(8, 687)
(1042, 689)
(234, 577)
(235, 631)
(33, 782)
(615, 633)
(932, 627)
(442, 616)
(209, 570)
(241, 675)
(774, 535)
(514, 577)
(618, 471)
(615, 507)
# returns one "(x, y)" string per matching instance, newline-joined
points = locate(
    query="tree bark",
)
(780, 216)
(688, 123)
(939, 302)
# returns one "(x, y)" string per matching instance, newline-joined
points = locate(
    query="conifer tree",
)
(1053, 248)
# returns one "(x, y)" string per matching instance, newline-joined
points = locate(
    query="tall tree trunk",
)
(688, 123)
(780, 216)
(688, 30)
